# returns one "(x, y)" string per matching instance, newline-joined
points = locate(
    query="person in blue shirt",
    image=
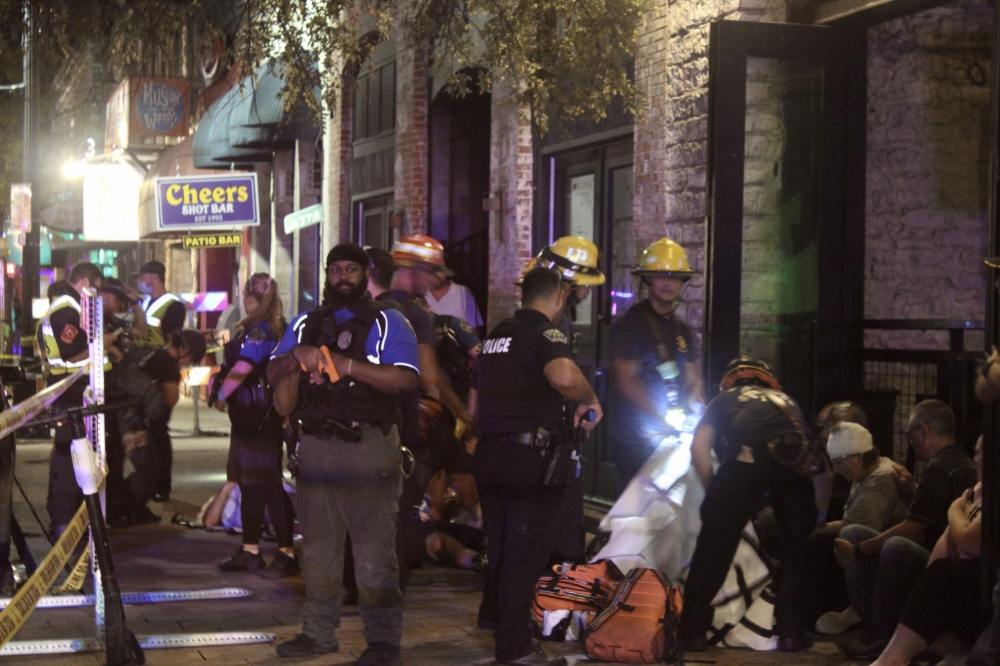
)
(256, 444)
(349, 475)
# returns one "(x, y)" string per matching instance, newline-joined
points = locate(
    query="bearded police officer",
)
(760, 434)
(525, 376)
(349, 474)
(655, 361)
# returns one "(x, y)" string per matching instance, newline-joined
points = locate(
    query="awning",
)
(210, 148)
(259, 118)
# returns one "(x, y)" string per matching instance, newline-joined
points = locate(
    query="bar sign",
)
(234, 239)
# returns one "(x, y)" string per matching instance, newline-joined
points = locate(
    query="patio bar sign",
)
(192, 203)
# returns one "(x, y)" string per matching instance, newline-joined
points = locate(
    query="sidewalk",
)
(439, 617)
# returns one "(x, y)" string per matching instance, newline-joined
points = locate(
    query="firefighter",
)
(525, 376)
(655, 361)
(760, 435)
(66, 346)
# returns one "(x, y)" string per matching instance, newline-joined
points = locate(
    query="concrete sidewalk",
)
(439, 617)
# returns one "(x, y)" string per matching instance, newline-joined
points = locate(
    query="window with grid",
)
(375, 102)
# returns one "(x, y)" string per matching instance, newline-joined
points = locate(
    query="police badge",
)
(344, 340)
(682, 345)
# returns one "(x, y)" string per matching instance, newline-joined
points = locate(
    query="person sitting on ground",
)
(947, 594)
(874, 500)
(881, 568)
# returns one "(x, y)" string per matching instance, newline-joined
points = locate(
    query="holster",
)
(561, 462)
(332, 429)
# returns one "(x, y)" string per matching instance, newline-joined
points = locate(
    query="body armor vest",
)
(347, 399)
(254, 391)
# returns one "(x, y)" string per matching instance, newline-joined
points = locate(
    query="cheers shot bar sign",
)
(207, 202)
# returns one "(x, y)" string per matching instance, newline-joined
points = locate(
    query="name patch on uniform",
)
(68, 334)
(555, 335)
(496, 346)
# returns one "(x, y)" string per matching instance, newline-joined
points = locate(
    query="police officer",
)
(65, 342)
(164, 311)
(655, 361)
(759, 433)
(576, 260)
(349, 453)
(525, 375)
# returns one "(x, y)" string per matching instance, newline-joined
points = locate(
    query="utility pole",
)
(29, 255)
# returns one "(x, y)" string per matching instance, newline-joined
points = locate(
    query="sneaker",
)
(834, 623)
(380, 654)
(537, 658)
(141, 515)
(8, 584)
(282, 566)
(303, 645)
(243, 560)
(481, 562)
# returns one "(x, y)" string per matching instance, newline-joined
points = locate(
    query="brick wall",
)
(411, 182)
(671, 137)
(928, 163)
(511, 160)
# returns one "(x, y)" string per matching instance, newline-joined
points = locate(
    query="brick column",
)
(410, 168)
(671, 69)
(511, 157)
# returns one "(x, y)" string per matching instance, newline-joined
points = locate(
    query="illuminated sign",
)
(20, 206)
(234, 239)
(111, 201)
(206, 202)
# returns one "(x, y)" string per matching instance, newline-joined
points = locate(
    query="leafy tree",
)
(565, 58)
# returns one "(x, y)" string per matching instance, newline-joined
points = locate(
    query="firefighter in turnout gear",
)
(62, 336)
(339, 371)
(525, 376)
(655, 362)
(762, 439)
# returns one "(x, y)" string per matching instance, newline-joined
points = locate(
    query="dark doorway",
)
(459, 181)
(785, 272)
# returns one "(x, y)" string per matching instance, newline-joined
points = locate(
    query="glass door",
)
(784, 223)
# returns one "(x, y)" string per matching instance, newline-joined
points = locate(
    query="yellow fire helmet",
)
(664, 257)
(527, 267)
(575, 258)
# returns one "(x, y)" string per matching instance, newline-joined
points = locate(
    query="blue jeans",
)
(878, 586)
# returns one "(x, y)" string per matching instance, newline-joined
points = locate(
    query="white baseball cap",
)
(848, 439)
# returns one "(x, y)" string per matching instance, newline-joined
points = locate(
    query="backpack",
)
(568, 599)
(639, 624)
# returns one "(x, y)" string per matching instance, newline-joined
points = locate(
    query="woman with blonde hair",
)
(256, 444)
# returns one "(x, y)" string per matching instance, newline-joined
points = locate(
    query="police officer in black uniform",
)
(525, 376)
(760, 435)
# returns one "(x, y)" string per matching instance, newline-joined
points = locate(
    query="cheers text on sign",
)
(213, 240)
(203, 202)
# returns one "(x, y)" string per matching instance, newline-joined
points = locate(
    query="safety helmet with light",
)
(747, 370)
(418, 250)
(575, 258)
(664, 257)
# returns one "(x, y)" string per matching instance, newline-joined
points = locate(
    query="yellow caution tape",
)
(74, 581)
(24, 411)
(21, 606)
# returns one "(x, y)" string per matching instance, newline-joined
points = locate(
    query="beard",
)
(333, 296)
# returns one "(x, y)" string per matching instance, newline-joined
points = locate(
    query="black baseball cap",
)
(116, 288)
(154, 267)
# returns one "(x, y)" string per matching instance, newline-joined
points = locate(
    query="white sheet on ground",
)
(655, 524)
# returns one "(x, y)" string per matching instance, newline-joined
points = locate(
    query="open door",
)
(784, 268)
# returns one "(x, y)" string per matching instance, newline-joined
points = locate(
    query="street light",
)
(73, 170)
